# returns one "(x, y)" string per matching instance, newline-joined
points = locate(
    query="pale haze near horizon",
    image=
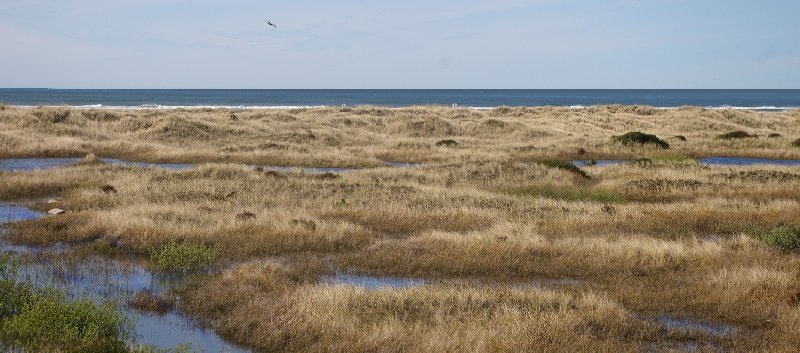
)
(409, 44)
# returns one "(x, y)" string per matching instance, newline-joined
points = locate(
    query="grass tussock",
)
(640, 138)
(565, 165)
(786, 238)
(736, 135)
(184, 256)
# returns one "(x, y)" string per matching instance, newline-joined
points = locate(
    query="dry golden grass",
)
(636, 242)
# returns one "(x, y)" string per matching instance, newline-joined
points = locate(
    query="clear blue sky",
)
(400, 44)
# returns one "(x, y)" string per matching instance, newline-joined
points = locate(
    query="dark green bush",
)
(565, 165)
(640, 138)
(796, 143)
(735, 135)
(783, 237)
(447, 143)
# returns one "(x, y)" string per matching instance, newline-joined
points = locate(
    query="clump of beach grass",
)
(738, 134)
(640, 138)
(565, 165)
(147, 301)
(786, 238)
(447, 143)
(184, 256)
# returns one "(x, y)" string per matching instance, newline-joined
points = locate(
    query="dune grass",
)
(519, 251)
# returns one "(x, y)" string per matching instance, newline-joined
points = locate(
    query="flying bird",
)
(270, 24)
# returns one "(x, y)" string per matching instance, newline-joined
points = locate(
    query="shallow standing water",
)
(118, 280)
(29, 164)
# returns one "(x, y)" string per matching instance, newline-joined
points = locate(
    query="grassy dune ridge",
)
(518, 251)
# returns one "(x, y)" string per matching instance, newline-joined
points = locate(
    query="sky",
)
(400, 44)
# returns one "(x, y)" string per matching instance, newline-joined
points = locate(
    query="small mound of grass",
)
(447, 143)
(783, 237)
(565, 165)
(146, 301)
(640, 138)
(735, 135)
(184, 256)
(774, 135)
(327, 176)
(680, 138)
(569, 193)
(796, 143)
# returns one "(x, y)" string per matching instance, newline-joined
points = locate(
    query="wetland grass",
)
(650, 245)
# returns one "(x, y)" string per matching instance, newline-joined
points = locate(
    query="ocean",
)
(472, 98)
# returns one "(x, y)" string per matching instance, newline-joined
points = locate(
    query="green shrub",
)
(783, 237)
(774, 135)
(184, 256)
(735, 135)
(796, 143)
(48, 321)
(44, 320)
(447, 143)
(640, 138)
(565, 165)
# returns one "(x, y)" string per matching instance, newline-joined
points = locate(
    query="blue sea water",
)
(476, 98)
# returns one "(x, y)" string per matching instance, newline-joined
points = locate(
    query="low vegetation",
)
(498, 243)
(640, 138)
(786, 238)
(565, 165)
(184, 256)
(736, 135)
(45, 320)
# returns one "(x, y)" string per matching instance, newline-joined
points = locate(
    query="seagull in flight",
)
(270, 23)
